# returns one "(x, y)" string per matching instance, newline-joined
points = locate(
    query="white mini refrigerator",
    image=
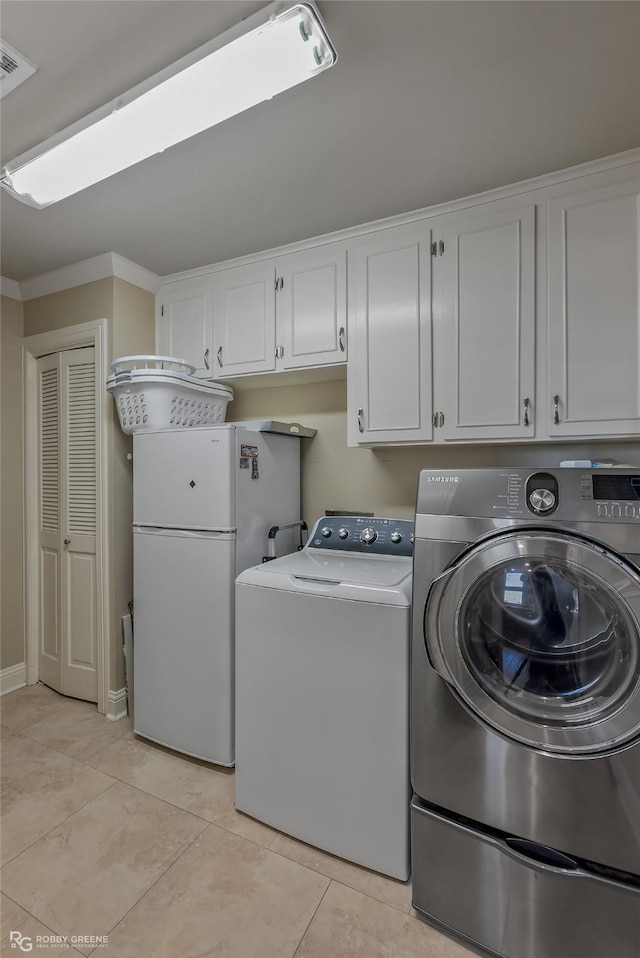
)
(203, 503)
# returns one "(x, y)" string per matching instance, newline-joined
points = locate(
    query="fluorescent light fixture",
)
(268, 53)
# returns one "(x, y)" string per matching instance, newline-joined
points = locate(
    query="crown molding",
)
(9, 287)
(104, 266)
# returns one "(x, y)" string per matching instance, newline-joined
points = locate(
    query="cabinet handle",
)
(441, 419)
(556, 413)
(434, 418)
(219, 356)
(206, 358)
(525, 403)
(360, 420)
(341, 339)
(67, 542)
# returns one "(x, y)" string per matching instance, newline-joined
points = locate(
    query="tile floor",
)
(104, 834)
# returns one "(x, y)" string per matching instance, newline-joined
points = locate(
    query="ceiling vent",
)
(14, 68)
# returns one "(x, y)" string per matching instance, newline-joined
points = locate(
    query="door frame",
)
(33, 347)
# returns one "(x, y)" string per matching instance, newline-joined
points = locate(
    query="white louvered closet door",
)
(67, 443)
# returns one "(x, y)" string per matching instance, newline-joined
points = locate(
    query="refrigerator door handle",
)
(185, 533)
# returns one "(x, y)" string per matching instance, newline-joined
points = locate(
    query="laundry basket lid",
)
(128, 363)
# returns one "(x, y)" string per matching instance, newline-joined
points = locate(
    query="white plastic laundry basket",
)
(158, 392)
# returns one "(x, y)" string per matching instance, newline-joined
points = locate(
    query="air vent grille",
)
(14, 68)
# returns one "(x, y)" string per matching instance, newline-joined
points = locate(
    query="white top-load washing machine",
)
(322, 691)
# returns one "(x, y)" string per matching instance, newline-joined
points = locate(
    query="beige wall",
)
(383, 480)
(129, 312)
(11, 486)
(133, 334)
(82, 304)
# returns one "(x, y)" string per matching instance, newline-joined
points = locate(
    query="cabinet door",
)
(184, 326)
(244, 320)
(311, 308)
(485, 322)
(389, 372)
(594, 325)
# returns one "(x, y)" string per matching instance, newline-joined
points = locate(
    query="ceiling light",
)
(266, 54)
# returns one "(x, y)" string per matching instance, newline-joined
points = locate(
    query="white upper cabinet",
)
(484, 318)
(510, 316)
(184, 326)
(593, 321)
(288, 313)
(311, 308)
(389, 372)
(244, 312)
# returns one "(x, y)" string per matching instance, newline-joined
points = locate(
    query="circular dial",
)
(343, 533)
(368, 535)
(542, 500)
(396, 537)
(325, 531)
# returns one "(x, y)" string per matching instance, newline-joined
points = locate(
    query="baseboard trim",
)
(12, 678)
(116, 704)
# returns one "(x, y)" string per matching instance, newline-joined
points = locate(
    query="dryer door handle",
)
(430, 624)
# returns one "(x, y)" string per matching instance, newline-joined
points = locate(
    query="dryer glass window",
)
(549, 641)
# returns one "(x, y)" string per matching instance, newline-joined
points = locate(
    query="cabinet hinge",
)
(279, 283)
(162, 310)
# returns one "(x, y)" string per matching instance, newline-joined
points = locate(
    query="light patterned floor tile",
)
(348, 923)
(29, 705)
(77, 730)
(385, 889)
(152, 768)
(225, 897)
(40, 789)
(11, 915)
(85, 875)
(209, 792)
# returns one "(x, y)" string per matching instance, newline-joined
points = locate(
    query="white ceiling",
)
(429, 101)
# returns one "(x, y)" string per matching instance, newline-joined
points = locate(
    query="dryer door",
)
(538, 633)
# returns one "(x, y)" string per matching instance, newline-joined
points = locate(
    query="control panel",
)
(558, 495)
(365, 535)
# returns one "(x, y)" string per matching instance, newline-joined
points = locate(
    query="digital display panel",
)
(625, 488)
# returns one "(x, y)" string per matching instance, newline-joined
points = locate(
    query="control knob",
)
(542, 500)
(325, 531)
(396, 537)
(368, 536)
(343, 533)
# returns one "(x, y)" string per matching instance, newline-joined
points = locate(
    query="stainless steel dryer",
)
(525, 724)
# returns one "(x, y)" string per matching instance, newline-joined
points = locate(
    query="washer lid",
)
(338, 575)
